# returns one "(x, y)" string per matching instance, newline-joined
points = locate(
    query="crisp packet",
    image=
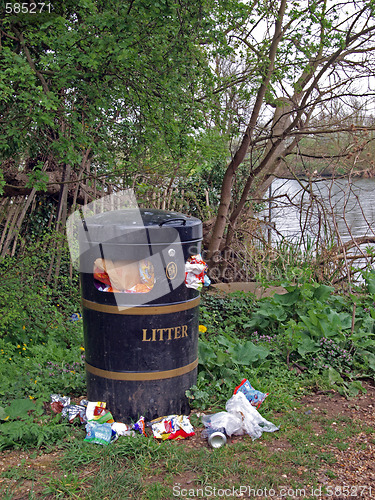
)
(140, 426)
(72, 411)
(172, 427)
(254, 397)
(163, 428)
(101, 415)
(100, 433)
(90, 409)
(58, 402)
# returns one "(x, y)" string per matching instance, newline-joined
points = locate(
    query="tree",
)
(316, 54)
(88, 88)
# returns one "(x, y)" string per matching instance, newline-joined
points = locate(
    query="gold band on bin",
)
(142, 310)
(136, 376)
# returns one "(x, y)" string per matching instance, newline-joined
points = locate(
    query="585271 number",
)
(27, 8)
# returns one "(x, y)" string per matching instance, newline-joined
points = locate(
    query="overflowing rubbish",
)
(172, 427)
(196, 272)
(123, 276)
(254, 397)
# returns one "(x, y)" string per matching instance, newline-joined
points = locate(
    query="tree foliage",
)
(103, 81)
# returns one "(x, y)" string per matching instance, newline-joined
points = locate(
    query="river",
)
(339, 208)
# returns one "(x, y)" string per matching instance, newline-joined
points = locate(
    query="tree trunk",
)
(274, 151)
(225, 196)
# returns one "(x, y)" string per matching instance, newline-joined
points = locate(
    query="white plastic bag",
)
(223, 420)
(252, 421)
(240, 418)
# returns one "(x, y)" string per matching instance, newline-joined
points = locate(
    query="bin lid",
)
(139, 226)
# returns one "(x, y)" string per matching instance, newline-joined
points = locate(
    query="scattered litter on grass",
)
(240, 418)
(172, 427)
(140, 426)
(123, 429)
(61, 404)
(96, 410)
(255, 397)
(100, 433)
(75, 317)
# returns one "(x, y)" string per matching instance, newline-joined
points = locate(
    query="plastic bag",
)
(232, 424)
(100, 433)
(240, 418)
(123, 429)
(195, 272)
(252, 421)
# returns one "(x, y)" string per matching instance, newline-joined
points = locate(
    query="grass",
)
(143, 468)
(41, 352)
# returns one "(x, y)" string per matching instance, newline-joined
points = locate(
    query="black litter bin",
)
(141, 344)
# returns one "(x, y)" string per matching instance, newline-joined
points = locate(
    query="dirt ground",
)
(354, 466)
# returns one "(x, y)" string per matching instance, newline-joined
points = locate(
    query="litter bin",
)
(141, 338)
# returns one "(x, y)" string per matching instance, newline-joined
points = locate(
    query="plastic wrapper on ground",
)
(232, 424)
(123, 429)
(172, 427)
(72, 412)
(96, 411)
(100, 433)
(58, 402)
(239, 419)
(140, 426)
(255, 397)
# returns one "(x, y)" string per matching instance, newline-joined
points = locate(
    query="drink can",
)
(217, 439)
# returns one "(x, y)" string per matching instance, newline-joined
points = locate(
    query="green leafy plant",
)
(23, 424)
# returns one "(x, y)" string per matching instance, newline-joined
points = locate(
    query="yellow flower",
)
(24, 327)
(82, 348)
(202, 328)
(24, 348)
(18, 347)
(31, 397)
